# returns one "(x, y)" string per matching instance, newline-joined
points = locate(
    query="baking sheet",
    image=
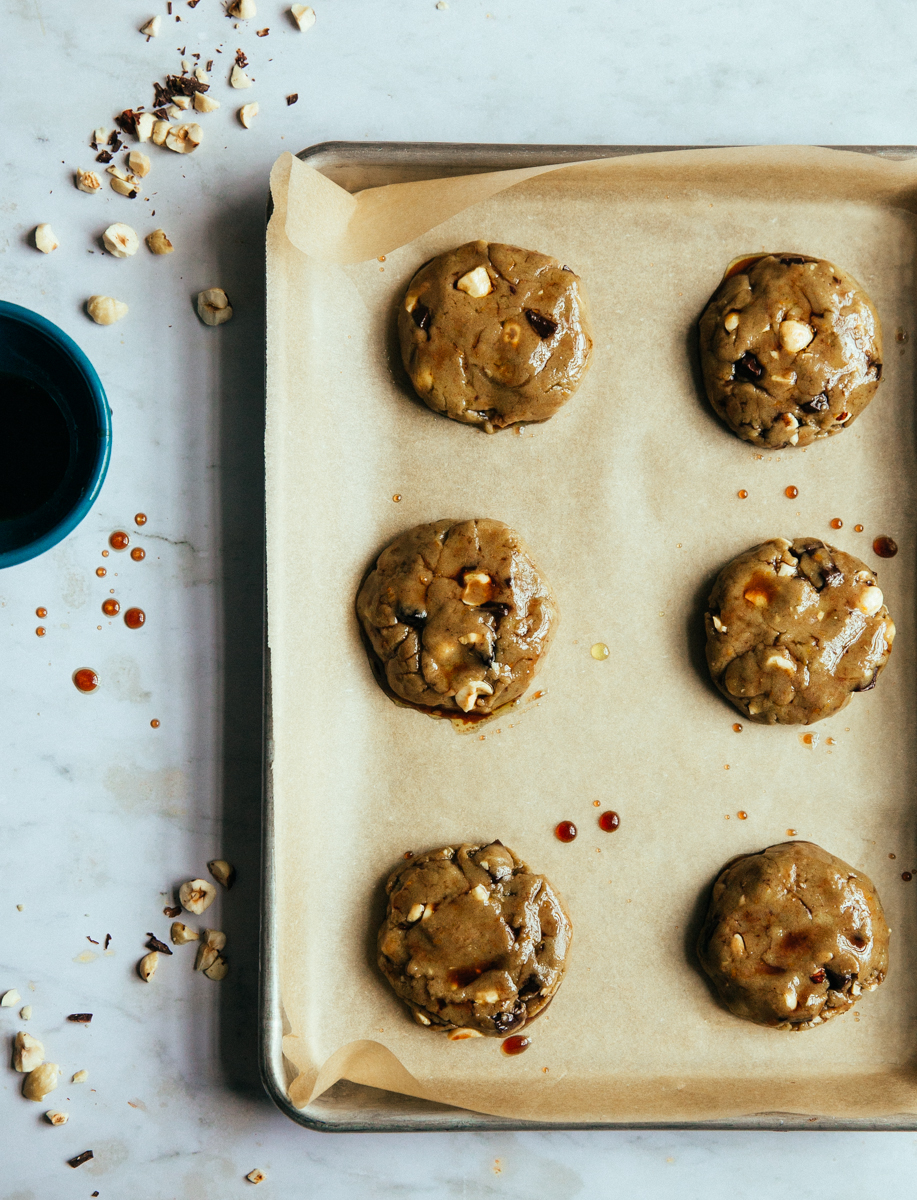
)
(627, 499)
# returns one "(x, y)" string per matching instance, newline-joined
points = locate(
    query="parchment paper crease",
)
(627, 499)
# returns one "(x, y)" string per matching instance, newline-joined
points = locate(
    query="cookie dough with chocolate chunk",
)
(793, 936)
(492, 335)
(793, 629)
(457, 616)
(473, 939)
(791, 349)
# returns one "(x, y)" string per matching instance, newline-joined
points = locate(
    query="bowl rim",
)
(34, 320)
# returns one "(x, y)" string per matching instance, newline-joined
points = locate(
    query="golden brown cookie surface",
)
(794, 629)
(493, 335)
(793, 936)
(473, 939)
(457, 616)
(791, 350)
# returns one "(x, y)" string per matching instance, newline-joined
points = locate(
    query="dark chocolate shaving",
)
(292, 98)
(155, 944)
(174, 910)
(542, 325)
(128, 121)
(241, 60)
(422, 316)
(262, 33)
(80, 1018)
(103, 157)
(80, 1159)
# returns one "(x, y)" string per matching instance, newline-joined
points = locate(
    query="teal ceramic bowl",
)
(53, 365)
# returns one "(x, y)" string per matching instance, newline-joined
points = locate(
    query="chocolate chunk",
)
(748, 368)
(155, 944)
(161, 97)
(817, 404)
(80, 1018)
(128, 121)
(416, 620)
(80, 1159)
(241, 60)
(542, 325)
(292, 98)
(505, 1021)
(422, 316)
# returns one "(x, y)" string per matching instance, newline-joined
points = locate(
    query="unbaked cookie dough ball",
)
(793, 629)
(473, 939)
(492, 335)
(457, 616)
(793, 936)
(791, 349)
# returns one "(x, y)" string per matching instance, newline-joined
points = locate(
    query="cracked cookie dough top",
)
(793, 936)
(473, 939)
(492, 335)
(793, 629)
(791, 350)
(458, 616)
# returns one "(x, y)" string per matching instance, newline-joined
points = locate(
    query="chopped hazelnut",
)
(303, 15)
(53, 1117)
(214, 938)
(28, 1052)
(181, 934)
(201, 76)
(467, 695)
(185, 138)
(870, 600)
(152, 27)
(105, 310)
(205, 104)
(197, 895)
(255, 1177)
(460, 1035)
(45, 241)
(146, 968)
(222, 871)
(476, 283)
(80, 1077)
(213, 308)
(138, 163)
(795, 335)
(160, 132)
(100, 137)
(25, 1013)
(158, 242)
(238, 78)
(120, 240)
(10, 999)
(206, 957)
(247, 114)
(42, 1080)
(144, 126)
(731, 322)
(217, 969)
(88, 181)
(478, 588)
(182, 102)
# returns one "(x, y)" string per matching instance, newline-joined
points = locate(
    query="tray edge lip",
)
(270, 1041)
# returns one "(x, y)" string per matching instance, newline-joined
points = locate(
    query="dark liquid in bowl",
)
(34, 446)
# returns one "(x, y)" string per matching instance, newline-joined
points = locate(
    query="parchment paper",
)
(627, 499)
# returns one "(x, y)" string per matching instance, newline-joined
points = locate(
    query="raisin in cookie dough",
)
(793, 936)
(473, 939)
(791, 350)
(794, 629)
(492, 335)
(457, 616)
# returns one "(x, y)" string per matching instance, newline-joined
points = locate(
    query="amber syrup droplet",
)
(893, 856)
(600, 651)
(396, 499)
(105, 554)
(737, 728)
(742, 814)
(791, 492)
(85, 680)
(596, 803)
(134, 618)
(408, 854)
(837, 523)
(110, 607)
(565, 831)
(154, 724)
(40, 631)
(100, 571)
(743, 495)
(140, 519)
(906, 876)
(119, 540)
(609, 821)
(41, 612)
(809, 739)
(138, 554)
(885, 547)
(791, 833)
(515, 1044)
(858, 528)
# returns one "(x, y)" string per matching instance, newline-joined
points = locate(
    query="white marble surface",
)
(103, 815)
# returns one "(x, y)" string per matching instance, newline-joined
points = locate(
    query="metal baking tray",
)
(348, 1107)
